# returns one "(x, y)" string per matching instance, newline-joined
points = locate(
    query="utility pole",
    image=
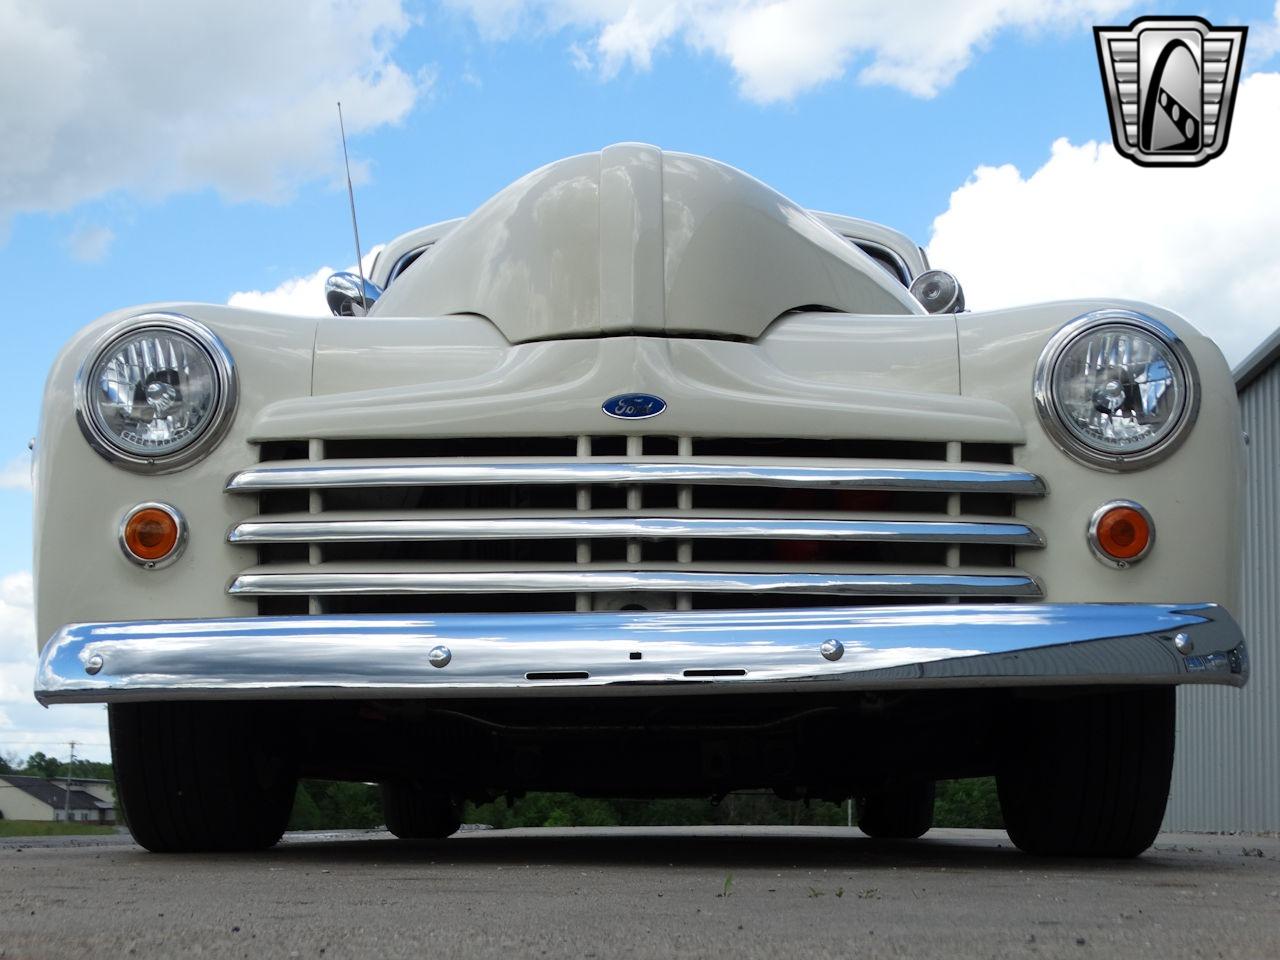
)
(66, 803)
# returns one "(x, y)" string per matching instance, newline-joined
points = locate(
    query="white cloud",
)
(155, 97)
(16, 474)
(89, 243)
(25, 726)
(1264, 39)
(300, 296)
(1089, 223)
(579, 57)
(781, 48)
(17, 625)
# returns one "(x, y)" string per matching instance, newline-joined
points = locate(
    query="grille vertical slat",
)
(684, 503)
(953, 510)
(582, 600)
(634, 498)
(315, 506)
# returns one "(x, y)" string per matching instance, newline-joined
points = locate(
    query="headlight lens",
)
(1116, 389)
(156, 393)
(1119, 389)
(153, 392)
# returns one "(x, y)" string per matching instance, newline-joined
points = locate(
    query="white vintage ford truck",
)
(641, 480)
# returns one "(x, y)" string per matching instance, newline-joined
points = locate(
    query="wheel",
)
(415, 812)
(1089, 776)
(195, 777)
(901, 812)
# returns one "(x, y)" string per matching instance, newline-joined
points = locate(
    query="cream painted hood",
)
(635, 240)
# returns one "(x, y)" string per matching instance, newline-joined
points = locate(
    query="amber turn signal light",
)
(152, 533)
(1121, 532)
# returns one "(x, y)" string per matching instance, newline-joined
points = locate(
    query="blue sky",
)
(462, 97)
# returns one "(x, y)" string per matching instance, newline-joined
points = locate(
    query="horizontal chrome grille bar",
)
(901, 476)
(316, 581)
(321, 530)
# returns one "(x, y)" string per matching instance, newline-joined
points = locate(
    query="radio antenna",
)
(351, 195)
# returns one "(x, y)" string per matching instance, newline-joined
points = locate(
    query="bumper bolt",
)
(93, 665)
(1184, 643)
(439, 656)
(832, 649)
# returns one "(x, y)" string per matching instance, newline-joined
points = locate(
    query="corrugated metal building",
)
(1227, 772)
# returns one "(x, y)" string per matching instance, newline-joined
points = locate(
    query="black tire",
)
(902, 812)
(414, 812)
(1089, 776)
(203, 777)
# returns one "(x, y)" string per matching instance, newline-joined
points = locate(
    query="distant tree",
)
(5, 765)
(662, 813)
(38, 765)
(353, 805)
(331, 805)
(325, 805)
(768, 810)
(967, 803)
(306, 813)
(566, 810)
(86, 770)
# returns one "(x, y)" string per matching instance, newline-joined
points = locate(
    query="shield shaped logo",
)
(1170, 84)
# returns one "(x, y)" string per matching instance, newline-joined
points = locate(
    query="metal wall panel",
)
(1227, 771)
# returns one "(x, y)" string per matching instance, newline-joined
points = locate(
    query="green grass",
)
(51, 828)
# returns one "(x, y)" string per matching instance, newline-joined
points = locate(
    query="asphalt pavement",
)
(664, 892)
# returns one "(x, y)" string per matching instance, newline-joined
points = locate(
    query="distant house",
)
(35, 798)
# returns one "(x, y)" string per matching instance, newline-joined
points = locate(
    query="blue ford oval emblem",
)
(634, 406)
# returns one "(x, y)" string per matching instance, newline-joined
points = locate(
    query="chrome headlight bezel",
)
(1052, 417)
(219, 421)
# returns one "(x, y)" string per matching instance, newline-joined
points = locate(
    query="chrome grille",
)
(639, 522)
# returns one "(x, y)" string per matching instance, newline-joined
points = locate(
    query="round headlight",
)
(1116, 389)
(158, 393)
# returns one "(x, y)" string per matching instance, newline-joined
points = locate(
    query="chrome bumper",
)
(631, 654)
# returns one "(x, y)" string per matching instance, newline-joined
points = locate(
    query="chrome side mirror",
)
(349, 295)
(938, 292)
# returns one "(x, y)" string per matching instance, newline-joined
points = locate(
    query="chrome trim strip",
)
(957, 478)
(320, 530)
(904, 272)
(355, 657)
(405, 260)
(317, 582)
